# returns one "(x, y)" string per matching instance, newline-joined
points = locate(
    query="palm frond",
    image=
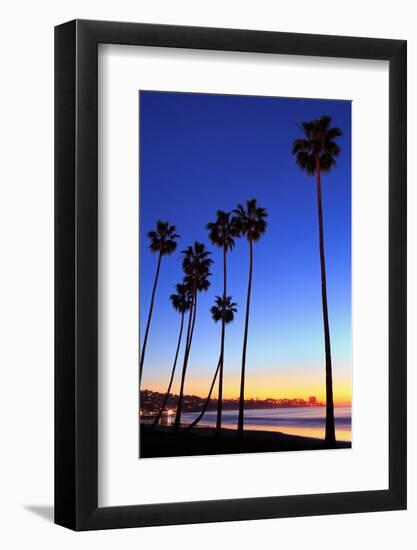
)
(223, 309)
(222, 231)
(181, 301)
(317, 145)
(163, 239)
(251, 221)
(196, 266)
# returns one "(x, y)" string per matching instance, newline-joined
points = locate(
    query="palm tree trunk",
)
(330, 437)
(190, 331)
(157, 419)
(148, 324)
(245, 340)
(200, 416)
(193, 323)
(220, 396)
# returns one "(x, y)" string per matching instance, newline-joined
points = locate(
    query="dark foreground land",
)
(162, 442)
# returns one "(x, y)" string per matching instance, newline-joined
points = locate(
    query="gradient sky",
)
(203, 152)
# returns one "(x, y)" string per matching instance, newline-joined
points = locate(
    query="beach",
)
(273, 429)
(161, 441)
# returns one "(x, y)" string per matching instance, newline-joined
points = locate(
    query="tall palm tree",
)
(251, 223)
(196, 266)
(181, 302)
(222, 233)
(163, 243)
(315, 153)
(223, 310)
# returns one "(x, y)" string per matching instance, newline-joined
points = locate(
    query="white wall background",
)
(26, 272)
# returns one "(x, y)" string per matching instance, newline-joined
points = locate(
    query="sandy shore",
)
(161, 441)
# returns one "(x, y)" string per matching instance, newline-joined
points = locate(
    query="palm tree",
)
(181, 302)
(196, 266)
(315, 153)
(163, 243)
(221, 234)
(251, 222)
(223, 310)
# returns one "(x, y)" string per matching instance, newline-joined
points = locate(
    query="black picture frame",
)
(76, 272)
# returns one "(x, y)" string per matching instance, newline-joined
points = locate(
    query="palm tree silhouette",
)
(224, 310)
(221, 234)
(316, 152)
(251, 223)
(181, 302)
(163, 242)
(196, 266)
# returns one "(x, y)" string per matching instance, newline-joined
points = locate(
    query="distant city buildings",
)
(151, 402)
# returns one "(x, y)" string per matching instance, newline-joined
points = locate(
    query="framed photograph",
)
(230, 253)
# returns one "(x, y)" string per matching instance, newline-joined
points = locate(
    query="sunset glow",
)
(216, 165)
(275, 386)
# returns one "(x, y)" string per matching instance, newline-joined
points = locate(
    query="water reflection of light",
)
(165, 419)
(318, 433)
(304, 421)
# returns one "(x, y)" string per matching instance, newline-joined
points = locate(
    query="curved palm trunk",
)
(220, 396)
(200, 416)
(157, 419)
(245, 341)
(148, 324)
(330, 437)
(190, 332)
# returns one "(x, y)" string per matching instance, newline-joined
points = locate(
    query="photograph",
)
(245, 274)
(209, 267)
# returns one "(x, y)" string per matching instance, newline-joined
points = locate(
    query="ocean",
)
(304, 421)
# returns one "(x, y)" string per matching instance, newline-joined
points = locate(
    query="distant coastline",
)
(151, 402)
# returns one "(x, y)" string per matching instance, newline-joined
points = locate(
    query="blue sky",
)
(202, 152)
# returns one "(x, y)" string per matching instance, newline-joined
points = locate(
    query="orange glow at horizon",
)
(264, 386)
